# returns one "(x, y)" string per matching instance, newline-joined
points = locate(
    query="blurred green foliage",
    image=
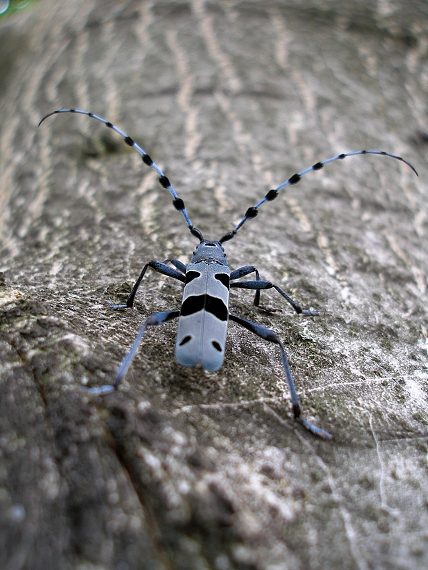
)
(9, 7)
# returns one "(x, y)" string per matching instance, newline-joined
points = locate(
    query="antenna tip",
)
(46, 116)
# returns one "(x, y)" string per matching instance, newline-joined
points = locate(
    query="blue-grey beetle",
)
(204, 313)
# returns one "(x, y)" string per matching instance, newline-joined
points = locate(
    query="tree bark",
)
(181, 468)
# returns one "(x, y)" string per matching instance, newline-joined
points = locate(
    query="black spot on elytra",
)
(190, 275)
(196, 303)
(224, 279)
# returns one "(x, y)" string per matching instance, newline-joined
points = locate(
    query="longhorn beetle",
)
(204, 313)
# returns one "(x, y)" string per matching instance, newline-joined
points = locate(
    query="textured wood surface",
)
(184, 469)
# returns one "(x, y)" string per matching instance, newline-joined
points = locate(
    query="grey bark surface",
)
(184, 469)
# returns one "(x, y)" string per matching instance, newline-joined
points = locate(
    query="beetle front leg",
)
(160, 267)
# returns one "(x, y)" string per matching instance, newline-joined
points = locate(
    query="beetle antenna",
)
(272, 194)
(163, 180)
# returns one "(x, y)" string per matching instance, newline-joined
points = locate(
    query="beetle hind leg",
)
(153, 320)
(270, 336)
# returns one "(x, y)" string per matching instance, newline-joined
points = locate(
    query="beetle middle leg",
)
(259, 284)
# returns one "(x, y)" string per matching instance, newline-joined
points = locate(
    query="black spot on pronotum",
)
(185, 340)
(216, 345)
(223, 278)
(190, 275)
